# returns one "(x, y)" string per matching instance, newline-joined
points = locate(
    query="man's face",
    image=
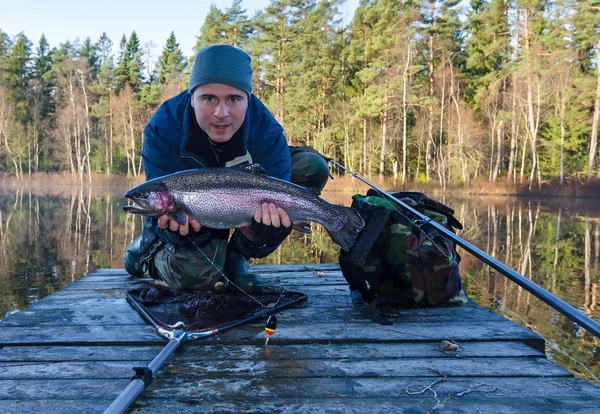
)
(220, 110)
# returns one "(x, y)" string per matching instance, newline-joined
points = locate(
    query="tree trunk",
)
(405, 111)
(459, 130)
(499, 141)
(441, 166)
(87, 134)
(429, 148)
(384, 122)
(111, 130)
(596, 119)
(513, 128)
(531, 116)
(364, 163)
(563, 105)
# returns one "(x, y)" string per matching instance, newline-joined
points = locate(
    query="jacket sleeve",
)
(155, 158)
(243, 246)
(199, 238)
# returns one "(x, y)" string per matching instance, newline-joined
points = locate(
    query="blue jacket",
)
(174, 142)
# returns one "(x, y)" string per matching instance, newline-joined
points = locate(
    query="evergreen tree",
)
(211, 31)
(18, 75)
(121, 73)
(279, 28)
(171, 62)
(310, 89)
(487, 48)
(103, 109)
(231, 27)
(129, 63)
(136, 66)
(105, 63)
(89, 51)
(44, 105)
(237, 25)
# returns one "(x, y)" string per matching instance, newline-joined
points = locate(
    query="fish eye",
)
(140, 195)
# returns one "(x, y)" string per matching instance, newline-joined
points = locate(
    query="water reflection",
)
(48, 241)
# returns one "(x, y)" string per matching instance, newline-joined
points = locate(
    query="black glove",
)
(267, 235)
(264, 239)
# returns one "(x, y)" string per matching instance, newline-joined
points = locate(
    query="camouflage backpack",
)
(401, 261)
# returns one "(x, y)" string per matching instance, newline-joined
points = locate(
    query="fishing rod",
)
(560, 305)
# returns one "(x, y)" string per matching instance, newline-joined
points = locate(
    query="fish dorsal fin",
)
(254, 168)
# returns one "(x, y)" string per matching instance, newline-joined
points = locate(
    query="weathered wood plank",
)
(295, 333)
(120, 314)
(298, 368)
(483, 404)
(70, 406)
(69, 370)
(78, 353)
(418, 367)
(306, 388)
(196, 404)
(109, 315)
(200, 350)
(58, 389)
(80, 335)
(358, 388)
(335, 332)
(196, 351)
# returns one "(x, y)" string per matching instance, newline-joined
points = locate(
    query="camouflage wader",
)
(185, 267)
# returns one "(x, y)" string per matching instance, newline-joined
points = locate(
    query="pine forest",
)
(438, 91)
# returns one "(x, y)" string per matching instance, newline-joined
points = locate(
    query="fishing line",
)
(225, 277)
(414, 222)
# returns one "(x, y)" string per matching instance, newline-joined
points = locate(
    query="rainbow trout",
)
(224, 198)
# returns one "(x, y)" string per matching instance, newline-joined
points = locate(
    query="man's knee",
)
(309, 169)
(131, 259)
(183, 268)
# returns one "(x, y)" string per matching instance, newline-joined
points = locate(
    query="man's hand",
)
(271, 225)
(270, 215)
(165, 221)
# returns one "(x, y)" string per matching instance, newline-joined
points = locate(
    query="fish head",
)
(150, 199)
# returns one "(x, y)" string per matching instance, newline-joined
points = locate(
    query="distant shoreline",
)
(64, 184)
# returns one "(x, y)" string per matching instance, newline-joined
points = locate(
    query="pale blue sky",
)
(62, 20)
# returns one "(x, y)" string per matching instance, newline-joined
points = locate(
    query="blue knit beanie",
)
(222, 64)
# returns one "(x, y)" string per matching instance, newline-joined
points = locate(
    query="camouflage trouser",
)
(189, 267)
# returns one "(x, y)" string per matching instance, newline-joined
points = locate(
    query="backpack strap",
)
(353, 262)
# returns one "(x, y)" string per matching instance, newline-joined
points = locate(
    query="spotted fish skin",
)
(224, 198)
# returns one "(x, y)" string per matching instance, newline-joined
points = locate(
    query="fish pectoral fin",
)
(302, 227)
(178, 217)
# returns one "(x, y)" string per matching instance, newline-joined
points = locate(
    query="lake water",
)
(52, 236)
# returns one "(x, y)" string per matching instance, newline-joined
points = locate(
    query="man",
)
(217, 123)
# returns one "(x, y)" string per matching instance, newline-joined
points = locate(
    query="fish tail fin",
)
(352, 224)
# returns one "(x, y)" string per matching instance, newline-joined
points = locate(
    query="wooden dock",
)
(74, 352)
